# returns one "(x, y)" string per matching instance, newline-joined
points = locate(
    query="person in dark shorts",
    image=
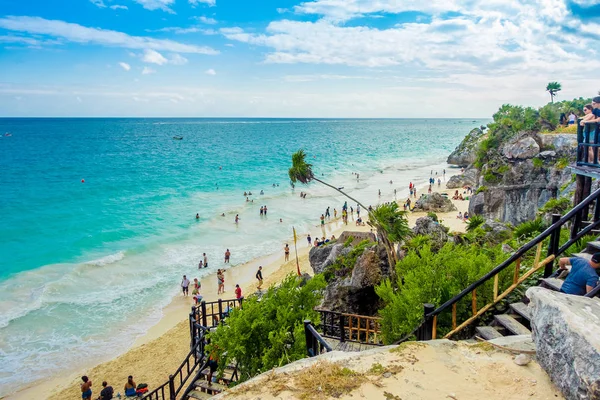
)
(185, 284)
(86, 388)
(286, 251)
(259, 277)
(227, 255)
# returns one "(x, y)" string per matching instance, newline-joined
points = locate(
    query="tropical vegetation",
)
(553, 88)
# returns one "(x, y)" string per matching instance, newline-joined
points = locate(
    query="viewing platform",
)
(587, 151)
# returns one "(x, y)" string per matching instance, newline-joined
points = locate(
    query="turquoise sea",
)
(86, 267)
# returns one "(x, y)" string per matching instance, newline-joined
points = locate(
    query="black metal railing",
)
(350, 327)
(587, 144)
(579, 227)
(315, 344)
(170, 389)
(210, 314)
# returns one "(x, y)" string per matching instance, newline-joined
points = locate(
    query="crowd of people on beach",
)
(130, 389)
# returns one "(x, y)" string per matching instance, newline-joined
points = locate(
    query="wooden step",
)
(215, 388)
(196, 394)
(552, 283)
(594, 246)
(511, 324)
(587, 256)
(488, 332)
(227, 374)
(522, 310)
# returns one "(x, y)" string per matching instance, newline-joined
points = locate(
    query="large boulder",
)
(521, 149)
(496, 232)
(565, 331)
(323, 256)
(357, 237)
(434, 202)
(564, 144)
(468, 178)
(427, 226)
(466, 152)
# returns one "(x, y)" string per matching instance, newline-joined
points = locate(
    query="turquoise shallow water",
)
(92, 264)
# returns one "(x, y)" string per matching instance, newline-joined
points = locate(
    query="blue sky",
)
(314, 58)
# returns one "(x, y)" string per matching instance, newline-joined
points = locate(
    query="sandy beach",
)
(160, 351)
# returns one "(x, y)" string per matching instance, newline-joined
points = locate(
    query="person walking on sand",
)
(286, 250)
(220, 282)
(238, 292)
(86, 388)
(358, 211)
(205, 260)
(259, 277)
(334, 213)
(327, 215)
(185, 284)
(309, 239)
(227, 255)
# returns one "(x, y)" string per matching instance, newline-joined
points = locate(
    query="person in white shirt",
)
(185, 284)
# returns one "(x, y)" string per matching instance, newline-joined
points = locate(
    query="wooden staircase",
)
(201, 388)
(517, 320)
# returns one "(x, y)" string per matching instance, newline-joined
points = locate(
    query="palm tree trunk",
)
(345, 194)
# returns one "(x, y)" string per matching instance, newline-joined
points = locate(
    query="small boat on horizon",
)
(178, 137)
(8, 134)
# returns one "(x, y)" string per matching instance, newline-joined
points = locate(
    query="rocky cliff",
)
(515, 178)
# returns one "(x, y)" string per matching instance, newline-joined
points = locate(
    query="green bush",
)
(502, 169)
(490, 177)
(433, 216)
(562, 163)
(474, 222)
(349, 241)
(556, 206)
(435, 277)
(268, 333)
(344, 265)
(581, 244)
(481, 189)
(537, 162)
(549, 116)
(529, 229)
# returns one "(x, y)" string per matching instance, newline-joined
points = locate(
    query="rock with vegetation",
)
(427, 226)
(434, 202)
(323, 256)
(466, 151)
(565, 332)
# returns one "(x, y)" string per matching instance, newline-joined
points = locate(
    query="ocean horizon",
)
(99, 214)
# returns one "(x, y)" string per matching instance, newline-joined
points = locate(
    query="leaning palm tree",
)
(385, 219)
(553, 88)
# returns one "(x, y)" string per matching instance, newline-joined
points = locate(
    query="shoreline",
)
(168, 337)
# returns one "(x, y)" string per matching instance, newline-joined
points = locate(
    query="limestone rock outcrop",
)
(323, 256)
(522, 149)
(434, 202)
(466, 151)
(468, 178)
(565, 332)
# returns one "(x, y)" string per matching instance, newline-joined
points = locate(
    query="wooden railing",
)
(171, 389)
(429, 327)
(315, 344)
(208, 314)
(587, 138)
(350, 327)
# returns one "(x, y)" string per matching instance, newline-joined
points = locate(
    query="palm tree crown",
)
(553, 88)
(301, 170)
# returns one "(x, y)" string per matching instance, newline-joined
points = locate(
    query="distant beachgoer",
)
(466, 215)
(358, 211)
(197, 216)
(200, 265)
(286, 250)
(247, 199)
(379, 192)
(213, 365)
(439, 182)
(222, 215)
(220, 282)
(130, 387)
(351, 211)
(205, 260)
(309, 239)
(459, 216)
(196, 286)
(415, 193)
(262, 210)
(238, 292)
(86, 388)
(322, 220)
(572, 118)
(345, 206)
(334, 213)
(259, 277)
(265, 210)
(237, 218)
(394, 192)
(332, 237)
(262, 192)
(107, 392)
(444, 172)
(227, 255)
(245, 194)
(327, 215)
(249, 193)
(429, 191)
(185, 283)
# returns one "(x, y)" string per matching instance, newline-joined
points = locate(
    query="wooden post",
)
(203, 308)
(342, 331)
(538, 253)
(517, 270)
(495, 286)
(454, 315)
(434, 328)
(552, 246)
(425, 333)
(474, 301)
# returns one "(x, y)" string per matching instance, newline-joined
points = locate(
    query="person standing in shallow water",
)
(185, 284)
(286, 250)
(227, 255)
(309, 239)
(205, 260)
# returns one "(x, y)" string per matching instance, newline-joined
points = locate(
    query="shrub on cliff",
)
(268, 333)
(429, 277)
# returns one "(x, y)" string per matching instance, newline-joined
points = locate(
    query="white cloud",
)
(210, 72)
(206, 20)
(154, 57)
(177, 59)
(147, 71)
(30, 42)
(209, 3)
(179, 30)
(119, 7)
(125, 66)
(156, 5)
(81, 34)
(98, 3)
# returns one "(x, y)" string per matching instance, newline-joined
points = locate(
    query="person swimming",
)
(197, 216)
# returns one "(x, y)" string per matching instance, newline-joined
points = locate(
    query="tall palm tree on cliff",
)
(386, 219)
(553, 88)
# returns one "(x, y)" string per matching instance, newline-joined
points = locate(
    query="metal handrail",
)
(314, 341)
